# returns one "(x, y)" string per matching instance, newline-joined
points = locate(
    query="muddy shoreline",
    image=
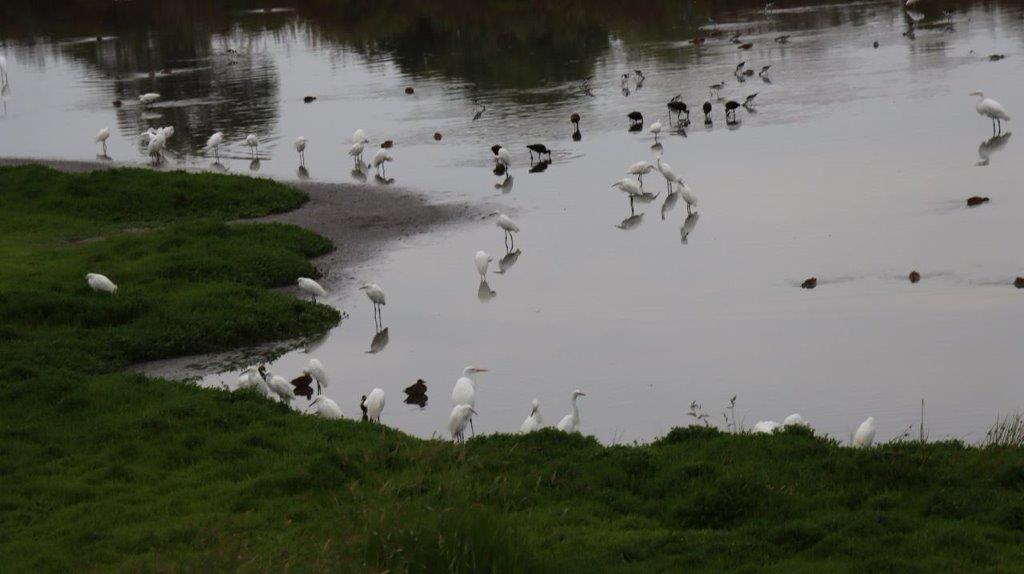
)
(361, 220)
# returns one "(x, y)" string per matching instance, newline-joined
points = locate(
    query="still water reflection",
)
(852, 167)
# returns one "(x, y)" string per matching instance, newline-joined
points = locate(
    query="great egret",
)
(327, 408)
(311, 288)
(101, 137)
(630, 187)
(766, 427)
(992, 110)
(374, 404)
(507, 225)
(795, 420)
(100, 283)
(668, 173)
(687, 194)
(356, 151)
(155, 147)
(359, 136)
(483, 261)
(571, 422)
(461, 414)
(532, 422)
(865, 434)
(376, 296)
(540, 149)
(280, 387)
(464, 391)
(300, 146)
(149, 98)
(655, 129)
(253, 142)
(379, 159)
(214, 143)
(316, 368)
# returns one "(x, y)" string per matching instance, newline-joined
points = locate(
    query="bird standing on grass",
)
(317, 370)
(532, 422)
(865, 435)
(374, 404)
(100, 283)
(570, 423)
(461, 414)
(327, 408)
(464, 391)
(483, 261)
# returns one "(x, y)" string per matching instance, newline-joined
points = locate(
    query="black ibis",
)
(730, 109)
(976, 200)
(309, 99)
(303, 385)
(810, 283)
(914, 276)
(417, 388)
(782, 39)
(635, 117)
(540, 149)
(707, 113)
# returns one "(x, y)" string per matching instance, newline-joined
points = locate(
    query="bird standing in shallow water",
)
(508, 226)
(483, 261)
(631, 188)
(640, 169)
(376, 296)
(379, 159)
(214, 143)
(707, 113)
(991, 109)
(102, 136)
(253, 142)
(730, 110)
(655, 129)
(540, 149)
(300, 146)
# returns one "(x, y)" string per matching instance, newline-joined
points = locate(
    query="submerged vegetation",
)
(101, 470)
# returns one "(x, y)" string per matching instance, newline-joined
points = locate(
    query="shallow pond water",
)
(853, 168)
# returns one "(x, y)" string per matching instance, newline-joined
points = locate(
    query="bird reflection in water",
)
(254, 165)
(218, 167)
(380, 180)
(302, 172)
(631, 222)
(669, 203)
(416, 394)
(991, 146)
(687, 228)
(657, 148)
(380, 340)
(359, 173)
(540, 166)
(484, 292)
(510, 259)
(505, 185)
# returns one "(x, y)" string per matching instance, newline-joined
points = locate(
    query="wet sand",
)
(361, 220)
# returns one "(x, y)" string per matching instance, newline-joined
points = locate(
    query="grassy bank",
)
(107, 471)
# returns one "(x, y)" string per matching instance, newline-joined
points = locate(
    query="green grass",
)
(104, 471)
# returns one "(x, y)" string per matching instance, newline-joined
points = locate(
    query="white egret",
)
(101, 137)
(865, 434)
(214, 143)
(300, 146)
(461, 414)
(317, 370)
(374, 404)
(991, 109)
(378, 161)
(668, 173)
(687, 194)
(571, 422)
(359, 136)
(766, 427)
(311, 288)
(253, 142)
(3, 70)
(483, 261)
(100, 283)
(655, 129)
(327, 408)
(795, 420)
(149, 98)
(464, 392)
(155, 147)
(504, 158)
(532, 422)
(356, 151)
(281, 388)
(376, 296)
(255, 377)
(631, 188)
(166, 131)
(640, 169)
(507, 225)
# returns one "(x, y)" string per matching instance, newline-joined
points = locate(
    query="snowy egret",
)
(504, 159)
(253, 142)
(311, 288)
(155, 147)
(991, 109)
(101, 137)
(464, 391)
(687, 194)
(374, 404)
(540, 149)
(358, 136)
(214, 143)
(100, 283)
(655, 129)
(668, 173)
(327, 408)
(571, 422)
(508, 226)
(688, 226)
(281, 388)
(766, 427)
(300, 146)
(149, 98)
(640, 169)
(483, 261)
(865, 434)
(316, 368)
(376, 296)
(532, 422)
(356, 151)
(378, 161)
(630, 187)
(461, 414)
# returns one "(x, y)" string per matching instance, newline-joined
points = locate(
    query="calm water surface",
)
(853, 169)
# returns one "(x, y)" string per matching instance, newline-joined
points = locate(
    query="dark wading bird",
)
(416, 393)
(636, 120)
(575, 120)
(304, 385)
(679, 107)
(540, 149)
(730, 110)
(914, 276)
(810, 283)
(362, 407)
(707, 113)
(976, 200)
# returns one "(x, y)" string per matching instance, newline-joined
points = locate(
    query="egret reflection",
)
(540, 166)
(631, 222)
(510, 259)
(254, 165)
(380, 341)
(302, 172)
(992, 145)
(359, 174)
(669, 203)
(484, 292)
(381, 180)
(687, 228)
(505, 185)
